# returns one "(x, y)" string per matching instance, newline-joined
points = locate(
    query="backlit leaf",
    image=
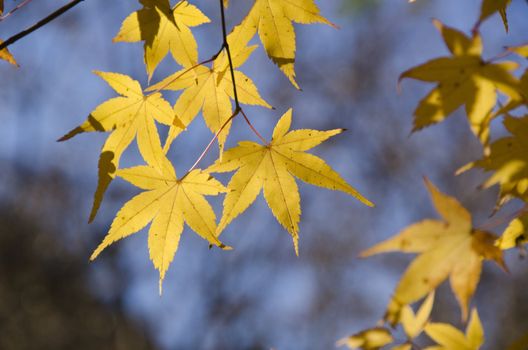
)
(508, 159)
(450, 338)
(464, 79)
(211, 91)
(272, 167)
(7, 56)
(515, 234)
(273, 21)
(132, 115)
(167, 203)
(489, 7)
(370, 339)
(450, 248)
(164, 29)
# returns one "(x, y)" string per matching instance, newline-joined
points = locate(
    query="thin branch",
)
(16, 8)
(228, 51)
(209, 60)
(39, 24)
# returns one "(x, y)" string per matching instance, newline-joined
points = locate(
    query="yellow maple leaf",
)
(210, 90)
(489, 7)
(369, 339)
(413, 324)
(515, 234)
(7, 56)
(167, 202)
(449, 338)
(448, 248)
(132, 115)
(273, 21)
(519, 101)
(508, 159)
(272, 167)
(521, 50)
(164, 29)
(463, 79)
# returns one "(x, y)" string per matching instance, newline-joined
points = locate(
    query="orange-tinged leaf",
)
(464, 79)
(272, 167)
(369, 339)
(448, 249)
(7, 56)
(132, 115)
(164, 29)
(167, 202)
(211, 91)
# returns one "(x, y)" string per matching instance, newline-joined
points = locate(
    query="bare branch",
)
(39, 24)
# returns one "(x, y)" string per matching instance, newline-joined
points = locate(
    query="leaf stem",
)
(17, 7)
(209, 60)
(39, 24)
(253, 128)
(208, 147)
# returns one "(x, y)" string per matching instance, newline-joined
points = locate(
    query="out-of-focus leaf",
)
(448, 248)
(369, 339)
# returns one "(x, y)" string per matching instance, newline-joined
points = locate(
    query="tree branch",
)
(228, 51)
(39, 24)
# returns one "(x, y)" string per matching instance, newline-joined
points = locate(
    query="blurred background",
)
(260, 295)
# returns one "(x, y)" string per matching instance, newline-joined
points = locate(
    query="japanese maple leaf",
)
(132, 115)
(449, 338)
(273, 21)
(508, 159)
(210, 90)
(167, 202)
(463, 79)
(489, 7)
(6, 55)
(448, 248)
(272, 167)
(368, 339)
(164, 29)
(516, 234)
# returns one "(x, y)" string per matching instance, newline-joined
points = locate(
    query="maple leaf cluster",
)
(450, 248)
(216, 89)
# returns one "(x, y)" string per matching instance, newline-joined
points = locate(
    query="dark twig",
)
(39, 24)
(253, 128)
(228, 51)
(16, 8)
(238, 108)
